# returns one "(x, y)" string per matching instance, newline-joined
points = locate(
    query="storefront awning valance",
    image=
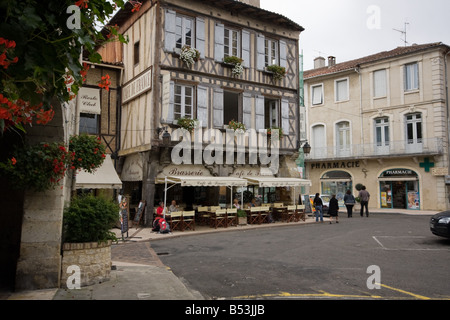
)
(278, 182)
(104, 177)
(202, 181)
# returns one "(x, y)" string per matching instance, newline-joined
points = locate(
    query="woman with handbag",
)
(349, 201)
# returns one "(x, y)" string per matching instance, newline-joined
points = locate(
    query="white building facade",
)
(382, 121)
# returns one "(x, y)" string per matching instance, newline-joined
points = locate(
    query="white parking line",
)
(384, 247)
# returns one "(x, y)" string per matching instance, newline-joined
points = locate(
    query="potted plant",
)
(242, 216)
(188, 124)
(277, 71)
(271, 130)
(236, 126)
(87, 238)
(189, 55)
(235, 63)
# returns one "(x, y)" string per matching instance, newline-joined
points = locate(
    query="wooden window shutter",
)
(247, 110)
(285, 117)
(260, 58)
(200, 36)
(169, 30)
(219, 42)
(218, 108)
(283, 54)
(246, 44)
(259, 120)
(202, 105)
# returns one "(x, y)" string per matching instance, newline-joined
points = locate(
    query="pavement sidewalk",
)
(150, 279)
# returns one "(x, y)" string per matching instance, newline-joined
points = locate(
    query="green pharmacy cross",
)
(427, 164)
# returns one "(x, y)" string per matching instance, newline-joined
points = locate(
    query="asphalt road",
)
(385, 256)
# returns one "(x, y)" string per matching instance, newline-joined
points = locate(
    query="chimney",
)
(319, 62)
(331, 61)
(255, 3)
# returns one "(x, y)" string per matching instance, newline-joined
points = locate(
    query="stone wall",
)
(93, 259)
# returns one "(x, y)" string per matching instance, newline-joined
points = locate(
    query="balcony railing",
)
(432, 146)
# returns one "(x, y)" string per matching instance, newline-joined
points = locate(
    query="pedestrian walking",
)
(364, 195)
(318, 206)
(333, 209)
(349, 201)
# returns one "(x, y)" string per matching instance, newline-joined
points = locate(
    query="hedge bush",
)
(90, 219)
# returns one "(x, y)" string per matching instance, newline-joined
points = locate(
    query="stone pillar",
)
(39, 263)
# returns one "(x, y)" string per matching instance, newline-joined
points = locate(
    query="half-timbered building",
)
(159, 88)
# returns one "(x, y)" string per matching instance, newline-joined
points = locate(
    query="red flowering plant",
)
(88, 152)
(42, 167)
(39, 167)
(40, 48)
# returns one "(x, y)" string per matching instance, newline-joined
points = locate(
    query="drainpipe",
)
(358, 71)
(448, 116)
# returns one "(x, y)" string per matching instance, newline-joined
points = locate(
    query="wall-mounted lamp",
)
(306, 148)
(166, 138)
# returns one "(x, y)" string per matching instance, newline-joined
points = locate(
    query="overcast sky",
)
(350, 29)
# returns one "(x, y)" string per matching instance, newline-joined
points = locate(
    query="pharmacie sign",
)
(336, 165)
(398, 172)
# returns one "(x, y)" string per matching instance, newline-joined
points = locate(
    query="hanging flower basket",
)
(42, 167)
(189, 55)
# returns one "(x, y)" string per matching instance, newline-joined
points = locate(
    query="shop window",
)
(337, 182)
(399, 189)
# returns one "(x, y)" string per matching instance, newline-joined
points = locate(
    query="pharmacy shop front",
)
(399, 189)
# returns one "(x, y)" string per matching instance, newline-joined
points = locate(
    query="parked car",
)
(440, 224)
(325, 199)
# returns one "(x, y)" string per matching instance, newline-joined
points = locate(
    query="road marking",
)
(323, 294)
(405, 292)
(404, 249)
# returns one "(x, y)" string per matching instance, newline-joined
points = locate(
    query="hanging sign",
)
(137, 86)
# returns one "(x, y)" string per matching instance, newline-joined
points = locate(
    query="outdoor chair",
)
(219, 218)
(203, 215)
(232, 218)
(175, 220)
(188, 220)
(264, 215)
(300, 213)
(289, 215)
(254, 216)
